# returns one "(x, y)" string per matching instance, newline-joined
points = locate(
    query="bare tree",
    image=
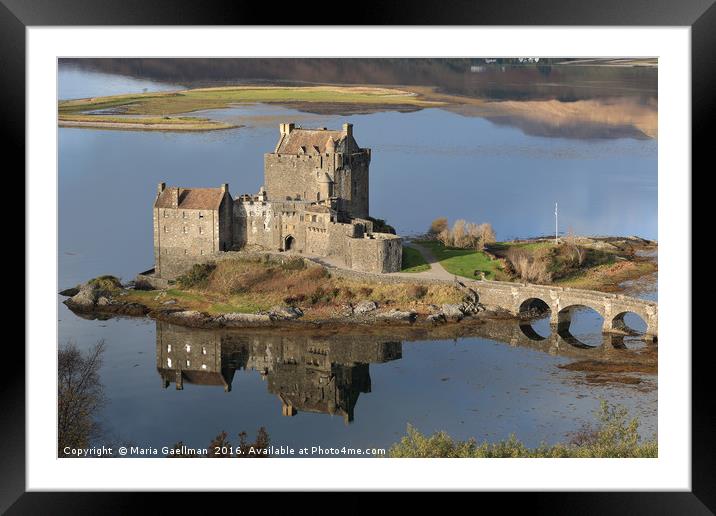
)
(487, 234)
(463, 234)
(445, 237)
(459, 235)
(438, 225)
(571, 242)
(79, 395)
(532, 267)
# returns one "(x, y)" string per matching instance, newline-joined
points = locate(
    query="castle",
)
(314, 202)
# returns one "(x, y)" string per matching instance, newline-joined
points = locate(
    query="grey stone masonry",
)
(315, 202)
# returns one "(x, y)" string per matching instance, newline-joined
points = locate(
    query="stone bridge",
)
(522, 298)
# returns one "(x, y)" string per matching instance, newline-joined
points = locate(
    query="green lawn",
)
(413, 261)
(462, 262)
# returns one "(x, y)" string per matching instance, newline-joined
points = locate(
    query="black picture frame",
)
(700, 15)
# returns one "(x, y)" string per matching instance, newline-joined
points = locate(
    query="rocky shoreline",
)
(92, 299)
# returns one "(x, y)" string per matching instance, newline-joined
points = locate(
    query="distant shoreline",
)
(345, 100)
(134, 126)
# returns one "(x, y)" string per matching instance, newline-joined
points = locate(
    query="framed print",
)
(440, 253)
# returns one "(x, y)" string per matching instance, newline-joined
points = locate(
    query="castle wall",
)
(302, 177)
(382, 253)
(352, 184)
(255, 224)
(185, 236)
(296, 177)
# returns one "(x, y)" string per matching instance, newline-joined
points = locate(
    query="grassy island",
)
(159, 108)
(136, 123)
(250, 285)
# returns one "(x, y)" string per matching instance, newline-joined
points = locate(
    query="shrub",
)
(365, 291)
(532, 267)
(437, 226)
(197, 276)
(105, 282)
(293, 264)
(416, 291)
(381, 226)
(293, 300)
(614, 436)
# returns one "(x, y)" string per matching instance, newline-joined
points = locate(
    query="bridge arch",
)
(533, 307)
(531, 312)
(629, 323)
(565, 329)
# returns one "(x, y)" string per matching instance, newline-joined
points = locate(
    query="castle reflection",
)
(323, 374)
(326, 372)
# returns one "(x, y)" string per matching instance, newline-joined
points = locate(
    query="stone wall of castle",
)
(303, 177)
(183, 237)
(352, 184)
(296, 177)
(376, 253)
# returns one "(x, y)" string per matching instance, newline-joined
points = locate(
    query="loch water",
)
(346, 391)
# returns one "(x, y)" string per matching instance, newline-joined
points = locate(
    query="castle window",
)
(188, 363)
(165, 214)
(201, 215)
(201, 230)
(169, 348)
(203, 350)
(184, 229)
(165, 229)
(183, 214)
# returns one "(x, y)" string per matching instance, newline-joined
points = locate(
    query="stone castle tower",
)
(317, 164)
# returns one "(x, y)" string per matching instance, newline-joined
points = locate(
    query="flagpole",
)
(556, 224)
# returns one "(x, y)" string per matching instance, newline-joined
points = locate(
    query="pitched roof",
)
(191, 198)
(300, 141)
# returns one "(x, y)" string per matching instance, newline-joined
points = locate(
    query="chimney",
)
(224, 187)
(347, 129)
(161, 187)
(175, 197)
(286, 128)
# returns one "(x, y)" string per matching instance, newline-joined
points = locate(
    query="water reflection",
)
(326, 373)
(310, 374)
(580, 328)
(555, 101)
(456, 76)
